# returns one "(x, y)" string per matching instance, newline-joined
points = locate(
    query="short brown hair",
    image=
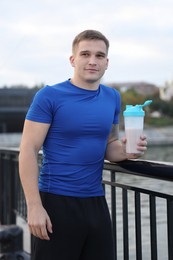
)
(89, 35)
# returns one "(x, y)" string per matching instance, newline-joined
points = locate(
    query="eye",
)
(100, 55)
(85, 54)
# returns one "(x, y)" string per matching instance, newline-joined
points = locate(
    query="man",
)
(76, 122)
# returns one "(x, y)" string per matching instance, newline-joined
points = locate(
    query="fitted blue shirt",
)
(73, 151)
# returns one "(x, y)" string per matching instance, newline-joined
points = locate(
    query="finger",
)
(123, 140)
(44, 234)
(143, 137)
(39, 231)
(141, 148)
(142, 143)
(31, 229)
(49, 225)
(34, 232)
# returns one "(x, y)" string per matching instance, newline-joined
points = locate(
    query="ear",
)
(107, 63)
(72, 60)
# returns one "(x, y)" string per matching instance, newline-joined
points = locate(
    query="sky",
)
(36, 38)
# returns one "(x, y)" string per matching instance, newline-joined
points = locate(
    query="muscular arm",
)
(116, 149)
(32, 139)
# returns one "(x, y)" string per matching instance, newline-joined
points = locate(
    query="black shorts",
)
(81, 229)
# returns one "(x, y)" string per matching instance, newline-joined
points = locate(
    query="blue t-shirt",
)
(73, 151)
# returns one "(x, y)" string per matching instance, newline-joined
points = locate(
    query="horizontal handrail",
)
(150, 169)
(145, 168)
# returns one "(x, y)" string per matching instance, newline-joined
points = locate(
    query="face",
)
(89, 61)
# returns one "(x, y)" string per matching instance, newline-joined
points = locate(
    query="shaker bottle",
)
(134, 124)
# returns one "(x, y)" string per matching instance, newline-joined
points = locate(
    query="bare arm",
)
(32, 139)
(116, 149)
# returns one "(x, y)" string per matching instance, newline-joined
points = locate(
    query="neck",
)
(85, 85)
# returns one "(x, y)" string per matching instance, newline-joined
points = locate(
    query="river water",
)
(162, 153)
(154, 153)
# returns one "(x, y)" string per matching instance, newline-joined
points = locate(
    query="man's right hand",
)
(39, 222)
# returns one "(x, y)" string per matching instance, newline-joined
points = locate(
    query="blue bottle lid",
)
(136, 110)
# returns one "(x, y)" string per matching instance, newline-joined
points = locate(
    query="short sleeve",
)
(117, 106)
(41, 107)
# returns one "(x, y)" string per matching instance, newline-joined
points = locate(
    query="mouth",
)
(92, 70)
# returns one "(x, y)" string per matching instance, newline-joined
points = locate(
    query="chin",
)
(92, 79)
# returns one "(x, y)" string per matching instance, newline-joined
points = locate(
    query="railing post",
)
(125, 225)
(8, 192)
(13, 173)
(153, 229)
(113, 211)
(1, 189)
(170, 228)
(138, 226)
(5, 191)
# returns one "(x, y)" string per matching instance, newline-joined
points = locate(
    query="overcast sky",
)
(36, 37)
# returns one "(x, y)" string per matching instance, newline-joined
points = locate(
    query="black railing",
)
(142, 214)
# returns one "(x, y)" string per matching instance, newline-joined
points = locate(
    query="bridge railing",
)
(142, 214)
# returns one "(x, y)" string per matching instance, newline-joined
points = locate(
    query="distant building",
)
(16, 97)
(141, 88)
(166, 92)
(14, 103)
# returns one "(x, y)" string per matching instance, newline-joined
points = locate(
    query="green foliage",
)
(131, 97)
(38, 86)
(165, 108)
(159, 122)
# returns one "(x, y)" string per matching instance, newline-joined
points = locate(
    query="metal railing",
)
(142, 217)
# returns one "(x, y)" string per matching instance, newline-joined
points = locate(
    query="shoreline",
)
(157, 136)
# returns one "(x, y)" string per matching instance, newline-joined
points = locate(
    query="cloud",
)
(36, 38)
(134, 51)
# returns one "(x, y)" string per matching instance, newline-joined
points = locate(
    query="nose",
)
(92, 60)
